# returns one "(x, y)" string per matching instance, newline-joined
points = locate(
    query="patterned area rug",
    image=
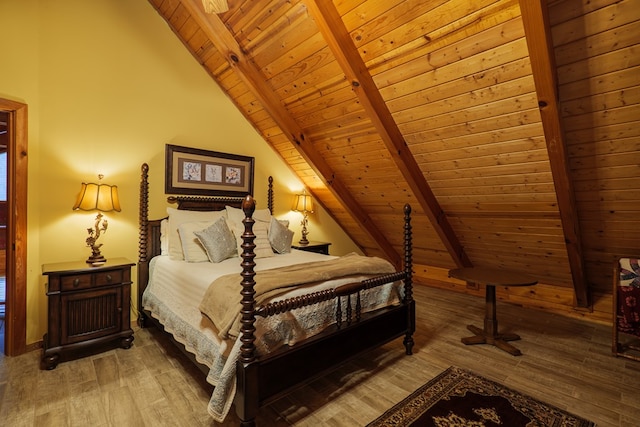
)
(460, 398)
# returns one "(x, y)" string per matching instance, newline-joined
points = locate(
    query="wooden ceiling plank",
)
(595, 85)
(291, 29)
(592, 104)
(598, 44)
(506, 122)
(424, 24)
(535, 19)
(228, 46)
(331, 25)
(411, 53)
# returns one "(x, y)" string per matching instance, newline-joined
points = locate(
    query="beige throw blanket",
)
(221, 301)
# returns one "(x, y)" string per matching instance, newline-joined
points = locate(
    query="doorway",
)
(4, 135)
(14, 115)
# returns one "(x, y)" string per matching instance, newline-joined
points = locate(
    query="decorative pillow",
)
(280, 237)
(284, 222)
(235, 216)
(218, 241)
(178, 217)
(263, 247)
(192, 249)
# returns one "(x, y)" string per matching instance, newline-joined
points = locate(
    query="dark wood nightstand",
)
(317, 247)
(87, 307)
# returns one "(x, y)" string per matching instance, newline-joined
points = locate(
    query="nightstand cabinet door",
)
(91, 314)
(88, 308)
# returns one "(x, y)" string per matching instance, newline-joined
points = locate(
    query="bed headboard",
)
(149, 230)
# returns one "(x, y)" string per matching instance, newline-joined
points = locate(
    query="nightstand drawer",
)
(84, 281)
(75, 282)
(108, 277)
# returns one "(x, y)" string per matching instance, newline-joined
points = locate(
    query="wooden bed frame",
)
(265, 378)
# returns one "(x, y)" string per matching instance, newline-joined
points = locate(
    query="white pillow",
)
(192, 248)
(218, 241)
(280, 237)
(178, 217)
(261, 230)
(235, 216)
(164, 237)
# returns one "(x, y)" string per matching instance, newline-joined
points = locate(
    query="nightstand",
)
(88, 307)
(317, 247)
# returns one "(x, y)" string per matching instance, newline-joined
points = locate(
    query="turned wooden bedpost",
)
(270, 195)
(246, 400)
(247, 351)
(408, 280)
(143, 240)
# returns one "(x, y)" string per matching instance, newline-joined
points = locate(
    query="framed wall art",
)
(207, 173)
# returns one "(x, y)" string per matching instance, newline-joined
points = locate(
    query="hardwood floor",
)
(565, 362)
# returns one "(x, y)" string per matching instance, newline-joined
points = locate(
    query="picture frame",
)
(207, 173)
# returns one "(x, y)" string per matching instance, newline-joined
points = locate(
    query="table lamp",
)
(303, 204)
(103, 198)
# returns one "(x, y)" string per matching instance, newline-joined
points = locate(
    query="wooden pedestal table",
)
(491, 277)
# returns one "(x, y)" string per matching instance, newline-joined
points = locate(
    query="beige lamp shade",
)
(101, 197)
(303, 203)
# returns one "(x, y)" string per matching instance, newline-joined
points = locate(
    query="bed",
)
(261, 340)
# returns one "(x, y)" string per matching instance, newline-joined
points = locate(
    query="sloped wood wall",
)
(378, 103)
(598, 57)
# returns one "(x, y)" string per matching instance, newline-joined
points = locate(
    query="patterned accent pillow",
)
(218, 241)
(280, 236)
(629, 272)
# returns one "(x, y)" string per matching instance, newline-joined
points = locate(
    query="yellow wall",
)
(107, 85)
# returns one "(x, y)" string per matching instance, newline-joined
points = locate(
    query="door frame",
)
(16, 289)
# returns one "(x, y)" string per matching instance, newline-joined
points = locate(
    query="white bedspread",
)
(174, 293)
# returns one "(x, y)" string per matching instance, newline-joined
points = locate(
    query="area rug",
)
(460, 398)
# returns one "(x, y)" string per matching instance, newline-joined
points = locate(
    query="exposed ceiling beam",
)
(339, 41)
(227, 45)
(538, 33)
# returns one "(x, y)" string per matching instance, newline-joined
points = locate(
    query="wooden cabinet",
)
(318, 247)
(88, 308)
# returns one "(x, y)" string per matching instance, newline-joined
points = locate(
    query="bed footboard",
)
(261, 380)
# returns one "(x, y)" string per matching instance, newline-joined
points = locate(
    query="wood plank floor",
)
(565, 362)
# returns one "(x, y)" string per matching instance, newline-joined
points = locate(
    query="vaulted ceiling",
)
(511, 127)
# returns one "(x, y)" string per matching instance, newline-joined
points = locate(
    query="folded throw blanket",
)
(221, 301)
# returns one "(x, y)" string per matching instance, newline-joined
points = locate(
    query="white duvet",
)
(176, 288)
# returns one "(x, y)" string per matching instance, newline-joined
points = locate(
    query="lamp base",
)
(304, 241)
(96, 259)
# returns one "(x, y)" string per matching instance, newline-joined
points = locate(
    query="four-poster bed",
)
(366, 310)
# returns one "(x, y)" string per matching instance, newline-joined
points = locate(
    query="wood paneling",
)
(455, 88)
